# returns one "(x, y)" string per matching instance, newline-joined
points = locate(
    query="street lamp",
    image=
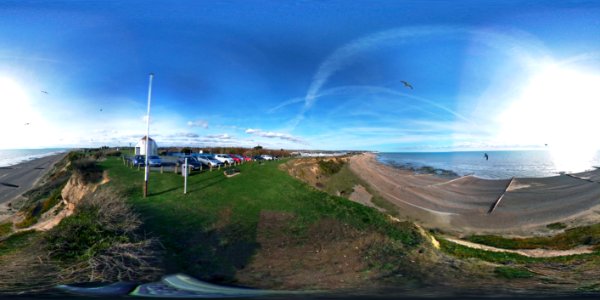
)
(147, 170)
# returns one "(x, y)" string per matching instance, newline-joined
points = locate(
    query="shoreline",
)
(12, 162)
(510, 164)
(463, 204)
(20, 178)
(419, 170)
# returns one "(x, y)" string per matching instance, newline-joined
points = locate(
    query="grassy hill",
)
(216, 230)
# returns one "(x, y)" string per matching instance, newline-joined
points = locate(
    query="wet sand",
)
(463, 205)
(16, 180)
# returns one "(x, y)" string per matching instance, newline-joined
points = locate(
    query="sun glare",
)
(16, 114)
(558, 109)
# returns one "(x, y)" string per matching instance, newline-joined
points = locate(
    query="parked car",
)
(235, 158)
(267, 157)
(242, 157)
(138, 160)
(208, 160)
(192, 162)
(258, 157)
(154, 161)
(224, 158)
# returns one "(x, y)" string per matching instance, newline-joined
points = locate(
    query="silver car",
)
(208, 160)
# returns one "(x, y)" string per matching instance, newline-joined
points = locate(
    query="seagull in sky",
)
(406, 84)
(26, 123)
(44, 92)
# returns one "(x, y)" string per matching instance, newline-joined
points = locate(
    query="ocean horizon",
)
(500, 164)
(11, 157)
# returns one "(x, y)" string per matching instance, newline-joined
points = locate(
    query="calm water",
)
(15, 156)
(501, 164)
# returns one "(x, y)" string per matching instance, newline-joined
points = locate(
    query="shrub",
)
(100, 241)
(330, 167)
(556, 226)
(28, 221)
(512, 273)
(87, 169)
(73, 156)
(51, 201)
(5, 229)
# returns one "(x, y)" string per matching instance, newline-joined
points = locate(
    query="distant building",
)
(140, 147)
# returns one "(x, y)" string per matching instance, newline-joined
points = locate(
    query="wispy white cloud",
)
(519, 45)
(272, 135)
(198, 123)
(223, 136)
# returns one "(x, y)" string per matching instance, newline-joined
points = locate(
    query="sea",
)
(500, 164)
(11, 157)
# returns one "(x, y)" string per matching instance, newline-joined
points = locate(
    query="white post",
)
(146, 173)
(185, 169)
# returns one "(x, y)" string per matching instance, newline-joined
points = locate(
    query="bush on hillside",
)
(330, 167)
(88, 170)
(101, 242)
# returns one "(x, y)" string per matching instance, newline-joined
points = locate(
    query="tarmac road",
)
(16, 180)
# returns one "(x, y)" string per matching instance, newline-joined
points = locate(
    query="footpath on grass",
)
(524, 252)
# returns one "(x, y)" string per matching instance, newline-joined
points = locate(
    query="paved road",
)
(17, 179)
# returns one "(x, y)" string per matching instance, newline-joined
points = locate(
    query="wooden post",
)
(138, 167)
(161, 169)
(176, 167)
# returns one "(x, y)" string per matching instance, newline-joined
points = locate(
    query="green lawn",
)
(211, 231)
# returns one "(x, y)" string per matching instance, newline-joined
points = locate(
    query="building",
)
(140, 147)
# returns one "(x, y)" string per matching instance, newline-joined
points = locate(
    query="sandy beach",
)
(473, 205)
(16, 180)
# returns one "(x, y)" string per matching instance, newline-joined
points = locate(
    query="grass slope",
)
(211, 231)
(586, 235)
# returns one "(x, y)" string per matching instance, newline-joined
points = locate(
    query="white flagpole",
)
(147, 170)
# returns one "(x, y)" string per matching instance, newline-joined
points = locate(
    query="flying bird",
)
(406, 84)
(26, 123)
(44, 92)
(101, 109)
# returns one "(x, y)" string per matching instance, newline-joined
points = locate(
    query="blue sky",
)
(300, 74)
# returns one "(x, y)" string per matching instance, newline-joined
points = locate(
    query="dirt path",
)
(524, 252)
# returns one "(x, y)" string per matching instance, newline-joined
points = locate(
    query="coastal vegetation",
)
(212, 231)
(513, 273)
(5, 229)
(261, 228)
(570, 238)
(102, 241)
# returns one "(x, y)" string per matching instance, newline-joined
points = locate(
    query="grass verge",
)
(570, 238)
(464, 252)
(513, 273)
